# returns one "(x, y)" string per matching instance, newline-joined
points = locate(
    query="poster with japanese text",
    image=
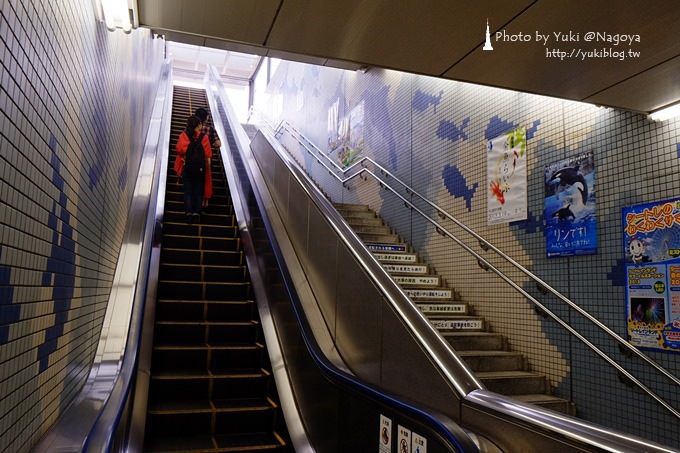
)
(569, 207)
(651, 235)
(507, 177)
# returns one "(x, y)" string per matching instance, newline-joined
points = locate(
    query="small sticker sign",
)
(403, 439)
(385, 435)
(418, 444)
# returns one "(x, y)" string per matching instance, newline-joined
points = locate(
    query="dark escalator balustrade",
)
(211, 386)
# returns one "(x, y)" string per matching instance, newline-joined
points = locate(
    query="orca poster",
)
(569, 207)
(507, 177)
(651, 236)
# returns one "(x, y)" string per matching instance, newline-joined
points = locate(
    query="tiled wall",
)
(75, 101)
(432, 134)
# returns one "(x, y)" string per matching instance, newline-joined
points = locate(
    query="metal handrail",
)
(333, 168)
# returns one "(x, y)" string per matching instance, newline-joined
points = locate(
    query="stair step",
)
(378, 237)
(418, 294)
(364, 221)
(454, 323)
(377, 230)
(548, 402)
(406, 268)
(396, 257)
(513, 382)
(350, 207)
(381, 247)
(465, 341)
(485, 360)
(438, 308)
(423, 281)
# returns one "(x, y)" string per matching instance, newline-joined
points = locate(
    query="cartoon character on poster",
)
(507, 177)
(569, 207)
(651, 239)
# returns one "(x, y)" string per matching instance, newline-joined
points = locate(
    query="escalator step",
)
(192, 272)
(210, 389)
(198, 333)
(260, 442)
(206, 257)
(182, 310)
(183, 386)
(202, 358)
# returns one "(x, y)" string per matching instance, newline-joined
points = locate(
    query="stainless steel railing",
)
(392, 183)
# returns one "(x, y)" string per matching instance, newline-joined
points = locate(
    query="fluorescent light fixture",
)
(116, 14)
(665, 113)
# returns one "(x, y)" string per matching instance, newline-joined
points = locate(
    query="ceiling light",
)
(116, 14)
(665, 113)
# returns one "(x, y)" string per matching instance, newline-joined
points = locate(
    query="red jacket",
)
(181, 148)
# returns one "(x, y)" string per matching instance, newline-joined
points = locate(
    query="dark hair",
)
(192, 122)
(201, 113)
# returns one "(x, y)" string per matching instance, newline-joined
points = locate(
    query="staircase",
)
(486, 353)
(211, 387)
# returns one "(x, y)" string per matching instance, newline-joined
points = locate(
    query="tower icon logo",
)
(487, 43)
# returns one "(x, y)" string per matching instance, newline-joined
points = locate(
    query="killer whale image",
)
(570, 176)
(564, 213)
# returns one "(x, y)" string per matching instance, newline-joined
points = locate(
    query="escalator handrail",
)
(444, 427)
(104, 432)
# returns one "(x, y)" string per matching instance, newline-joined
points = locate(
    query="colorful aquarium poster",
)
(507, 177)
(569, 207)
(651, 236)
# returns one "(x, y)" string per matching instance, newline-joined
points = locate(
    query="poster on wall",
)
(569, 207)
(507, 177)
(651, 235)
(346, 135)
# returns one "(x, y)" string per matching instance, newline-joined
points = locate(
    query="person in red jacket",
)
(193, 185)
(215, 142)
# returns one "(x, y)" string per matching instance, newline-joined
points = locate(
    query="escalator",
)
(211, 386)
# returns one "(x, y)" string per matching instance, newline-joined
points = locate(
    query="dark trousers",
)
(193, 193)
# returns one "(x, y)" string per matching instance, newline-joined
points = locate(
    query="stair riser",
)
(513, 363)
(355, 222)
(369, 229)
(486, 343)
(440, 309)
(516, 386)
(382, 238)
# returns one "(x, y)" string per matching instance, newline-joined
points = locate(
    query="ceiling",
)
(192, 61)
(445, 38)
